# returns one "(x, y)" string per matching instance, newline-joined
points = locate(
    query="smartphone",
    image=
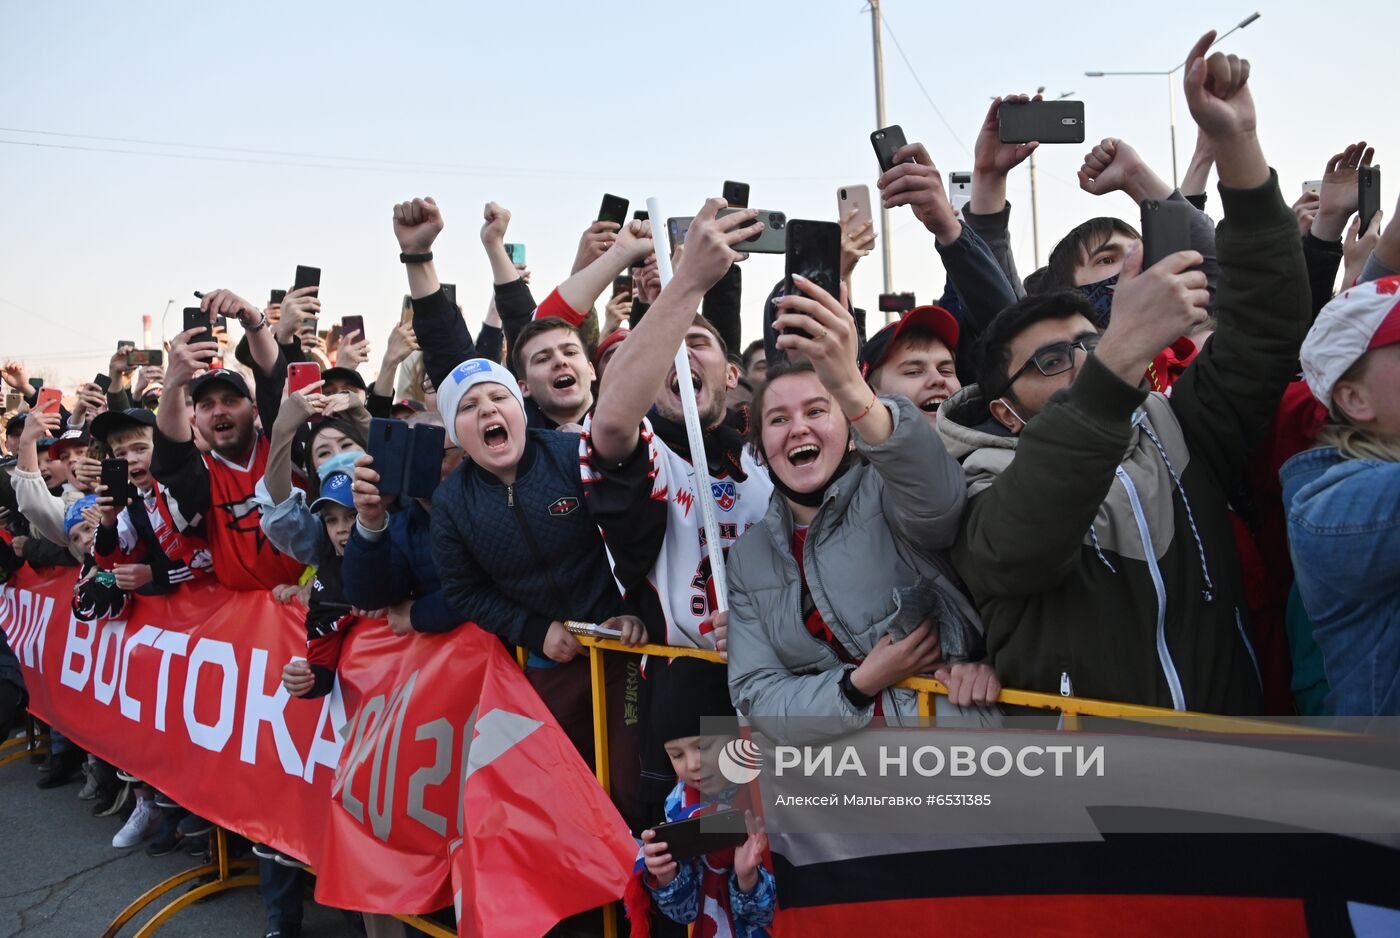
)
(97, 450)
(116, 476)
(145, 357)
(36, 383)
(1368, 193)
(424, 468)
(302, 375)
(450, 291)
(887, 142)
(276, 297)
(1166, 229)
(103, 381)
(960, 189)
(622, 284)
(736, 194)
(1314, 186)
(516, 252)
(707, 833)
(814, 251)
(896, 302)
(1041, 122)
(307, 277)
(614, 208)
(196, 318)
(349, 324)
(641, 214)
(389, 442)
(221, 323)
(124, 344)
(771, 240)
(13, 401)
(857, 198)
(49, 399)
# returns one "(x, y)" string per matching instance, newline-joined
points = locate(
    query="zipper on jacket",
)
(519, 511)
(1164, 655)
(1253, 658)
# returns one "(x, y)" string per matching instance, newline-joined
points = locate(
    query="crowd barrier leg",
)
(598, 680)
(34, 743)
(226, 876)
(427, 926)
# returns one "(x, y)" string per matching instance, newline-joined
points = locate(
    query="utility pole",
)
(875, 31)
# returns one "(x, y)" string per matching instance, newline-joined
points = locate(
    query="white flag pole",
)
(661, 239)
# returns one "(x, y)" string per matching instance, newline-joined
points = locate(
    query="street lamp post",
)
(1171, 91)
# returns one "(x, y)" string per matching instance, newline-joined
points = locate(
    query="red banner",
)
(433, 773)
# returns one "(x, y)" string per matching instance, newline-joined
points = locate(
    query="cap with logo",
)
(219, 376)
(335, 490)
(1356, 321)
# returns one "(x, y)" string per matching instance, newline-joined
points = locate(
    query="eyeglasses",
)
(1054, 359)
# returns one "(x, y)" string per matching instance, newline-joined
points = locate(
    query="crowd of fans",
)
(1171, 484)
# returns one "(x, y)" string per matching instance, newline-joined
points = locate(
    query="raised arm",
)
(645, 358)
(442, 334)
(574, 297)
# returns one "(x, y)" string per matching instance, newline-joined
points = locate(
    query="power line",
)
(927, 97)
(387, 166)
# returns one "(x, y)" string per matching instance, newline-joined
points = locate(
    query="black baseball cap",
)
(219, 375)
(104, 425)
(345, 374)
(934, 319)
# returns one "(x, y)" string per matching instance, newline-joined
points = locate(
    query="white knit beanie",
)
(464, 377)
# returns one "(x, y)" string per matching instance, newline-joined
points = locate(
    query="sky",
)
(282, 134)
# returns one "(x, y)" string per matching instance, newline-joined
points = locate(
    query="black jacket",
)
(514, 558)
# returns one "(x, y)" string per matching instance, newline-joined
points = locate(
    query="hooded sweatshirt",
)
(1098, 543)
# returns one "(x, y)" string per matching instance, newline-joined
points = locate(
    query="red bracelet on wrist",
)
(874, 399)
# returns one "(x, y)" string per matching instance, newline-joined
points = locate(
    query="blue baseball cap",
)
(335, 490)
(74, 515)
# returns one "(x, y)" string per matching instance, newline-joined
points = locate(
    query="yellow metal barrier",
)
(35, 742)
(228, 874)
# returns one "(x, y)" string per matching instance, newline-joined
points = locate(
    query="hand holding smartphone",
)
(49, 399)
(613, 209)
(887, 142)
(116, 476)
(813, 252)
(1166, 229)
(1368, 193)
(196, 318)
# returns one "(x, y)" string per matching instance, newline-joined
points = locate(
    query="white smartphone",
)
(855, 198)
(1314, 186)
(960, 190)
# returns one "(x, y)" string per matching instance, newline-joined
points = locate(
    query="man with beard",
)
(218, 485)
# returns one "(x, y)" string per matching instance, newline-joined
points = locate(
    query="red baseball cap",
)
(932, 319)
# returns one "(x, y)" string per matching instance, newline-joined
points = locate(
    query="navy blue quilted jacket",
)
(514, 558)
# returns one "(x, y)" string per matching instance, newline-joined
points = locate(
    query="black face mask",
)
(813, 499)
(1100, 296)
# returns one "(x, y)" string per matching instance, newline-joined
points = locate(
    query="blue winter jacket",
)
(1344, 536)
(514, 558)
(380, 572)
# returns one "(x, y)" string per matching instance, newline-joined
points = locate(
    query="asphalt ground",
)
(60, 877)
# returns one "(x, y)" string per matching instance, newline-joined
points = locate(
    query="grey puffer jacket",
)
(876, 542)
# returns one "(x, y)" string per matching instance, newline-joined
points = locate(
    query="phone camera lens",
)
(779, 219)
(843, 193)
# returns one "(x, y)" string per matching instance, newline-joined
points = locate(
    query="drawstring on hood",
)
(1208, 591)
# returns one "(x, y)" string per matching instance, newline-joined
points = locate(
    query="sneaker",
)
(164, 846)
(111, 800)
(142, 824)
(192, 825)
(287, 860)
(92, 787)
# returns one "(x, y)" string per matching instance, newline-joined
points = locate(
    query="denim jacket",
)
(1344, 535)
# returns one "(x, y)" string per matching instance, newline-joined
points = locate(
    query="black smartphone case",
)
(614, 208)
(813, 251)
(307, 277)
(389, 442)
(706, 833)
(1041, 122)
(1368, 193)
(196, 318)
(424, 461)
(887, 142)
(1166, 229)
(736, 194)
(115, 475)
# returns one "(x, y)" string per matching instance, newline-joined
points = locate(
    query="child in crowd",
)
(724, 892)
(329, 616)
